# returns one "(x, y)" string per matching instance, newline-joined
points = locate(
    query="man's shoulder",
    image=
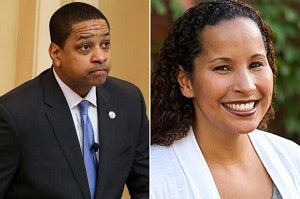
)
(119, 83)
(24, 90)
(118, 86)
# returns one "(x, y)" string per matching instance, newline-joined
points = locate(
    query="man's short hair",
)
(62, 20)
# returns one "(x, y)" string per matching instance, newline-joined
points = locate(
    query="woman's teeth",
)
(241, 107)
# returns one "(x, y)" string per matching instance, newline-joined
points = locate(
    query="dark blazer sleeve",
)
(138, 180)
(8, 151)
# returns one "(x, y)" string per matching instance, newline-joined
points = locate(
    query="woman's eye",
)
(256, 65)
(221, 68)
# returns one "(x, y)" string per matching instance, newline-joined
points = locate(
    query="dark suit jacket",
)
(40, 156)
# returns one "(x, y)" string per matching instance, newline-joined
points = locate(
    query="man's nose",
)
(99, 55)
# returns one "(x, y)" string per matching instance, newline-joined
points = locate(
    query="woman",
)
(212, 89)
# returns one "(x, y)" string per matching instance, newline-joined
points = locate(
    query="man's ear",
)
(54, 52)
(185, 82)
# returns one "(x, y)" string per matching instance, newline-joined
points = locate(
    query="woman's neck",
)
(221, 147)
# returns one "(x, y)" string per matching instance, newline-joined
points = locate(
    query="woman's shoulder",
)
(166, 163)
(167, 177)
(281, 157)
(161, 156)
(277, 141)
(284, 148)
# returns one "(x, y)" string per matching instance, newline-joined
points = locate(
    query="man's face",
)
(85, 60)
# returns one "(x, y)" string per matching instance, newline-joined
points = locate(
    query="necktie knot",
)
(83, 107)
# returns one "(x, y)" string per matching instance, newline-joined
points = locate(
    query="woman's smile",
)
(241, 108)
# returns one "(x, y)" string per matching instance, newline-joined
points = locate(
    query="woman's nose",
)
(244, 82)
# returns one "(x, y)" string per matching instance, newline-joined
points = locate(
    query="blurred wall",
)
(8, 35)
(129, 21)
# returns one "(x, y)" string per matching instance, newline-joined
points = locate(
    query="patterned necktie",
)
(89, 155)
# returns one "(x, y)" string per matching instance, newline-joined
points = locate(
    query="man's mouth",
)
(99, 71)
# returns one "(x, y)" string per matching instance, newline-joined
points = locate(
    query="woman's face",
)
(232, 83)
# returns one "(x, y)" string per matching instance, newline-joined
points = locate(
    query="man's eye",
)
(106, 44)
(85, 47)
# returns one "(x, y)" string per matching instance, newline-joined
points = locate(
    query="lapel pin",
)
(112, 115)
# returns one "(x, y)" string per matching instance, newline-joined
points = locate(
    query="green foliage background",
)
(284, 19)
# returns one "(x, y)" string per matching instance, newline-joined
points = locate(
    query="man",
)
(44, 151)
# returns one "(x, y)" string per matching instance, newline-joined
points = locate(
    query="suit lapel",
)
(60, 118)
(106, 136)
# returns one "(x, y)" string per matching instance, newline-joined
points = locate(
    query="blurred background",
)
(283, 16)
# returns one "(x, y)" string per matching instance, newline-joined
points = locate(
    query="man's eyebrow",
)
(105, 34)
(83, 37)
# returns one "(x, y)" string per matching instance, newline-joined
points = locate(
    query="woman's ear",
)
(185, 82)
(54, 52)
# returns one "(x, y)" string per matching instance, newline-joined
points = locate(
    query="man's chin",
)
(100, 81)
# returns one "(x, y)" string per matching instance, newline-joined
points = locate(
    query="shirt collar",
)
(73, 99)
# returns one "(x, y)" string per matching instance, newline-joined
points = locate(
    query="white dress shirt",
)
(73, 99)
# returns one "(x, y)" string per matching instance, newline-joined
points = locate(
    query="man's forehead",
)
(101, 23)
(91, 26)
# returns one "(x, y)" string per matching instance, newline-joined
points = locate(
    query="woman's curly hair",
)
(172, 113)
